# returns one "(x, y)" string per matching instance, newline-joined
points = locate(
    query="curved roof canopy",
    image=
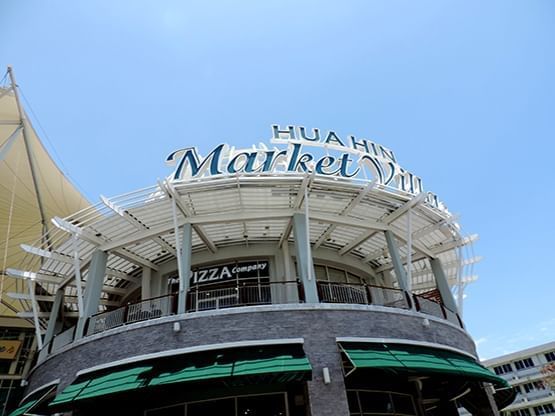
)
(32, 190)
(347, 216)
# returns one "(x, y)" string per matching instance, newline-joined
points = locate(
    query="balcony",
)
(216, 298)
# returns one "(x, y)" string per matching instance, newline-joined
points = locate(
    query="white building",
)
(523, 370)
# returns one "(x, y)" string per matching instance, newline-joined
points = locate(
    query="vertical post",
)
(397, 264)
(77, 268)
(184, 260)
(443, 285)
(95, 281)
(54, 313)
(304, 258)
(31, 286)
(30, 155)
(409, 249)
(146, 277)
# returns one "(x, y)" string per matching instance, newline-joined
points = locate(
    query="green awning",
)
(23, 408)
(113, 382)
(275, 363)
(418, 360)
(34, 400)
(225, 365)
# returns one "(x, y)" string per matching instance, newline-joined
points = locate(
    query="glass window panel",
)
(352, 398)
(320, 273)
(337, 275)
(353, 279)
(224, 407)
(178, 410)
(266, 405)
(403, 404)
(375, 402)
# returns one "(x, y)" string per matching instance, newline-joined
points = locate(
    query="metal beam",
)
(97, 241)
(52, 298)
(350, 206)
(388, 219)
(172, 192)
(198, 220)
(373, 226)
(436, 250)
(64, 258)
(452, 281)
(305, 184)
(137, 224)
(56, 279)
(41, 315)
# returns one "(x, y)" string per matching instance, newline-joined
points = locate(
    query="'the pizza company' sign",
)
(329, 155)
(242, 270)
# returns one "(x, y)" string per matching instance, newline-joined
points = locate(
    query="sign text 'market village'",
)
(328, 154)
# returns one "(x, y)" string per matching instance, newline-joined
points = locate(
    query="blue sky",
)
(462, 91)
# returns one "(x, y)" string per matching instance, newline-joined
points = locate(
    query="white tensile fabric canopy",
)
(28, 200)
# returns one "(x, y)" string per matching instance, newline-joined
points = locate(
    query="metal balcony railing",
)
(335, 292)
(132, 312)
(210, 297)
(206, 298)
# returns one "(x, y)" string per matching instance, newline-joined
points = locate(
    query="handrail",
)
(206, 297)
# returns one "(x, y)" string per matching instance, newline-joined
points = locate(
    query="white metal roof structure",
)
(32, 190)
(137, 230)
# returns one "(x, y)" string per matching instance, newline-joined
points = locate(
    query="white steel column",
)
(304, 258)
(409, 250)
(77, 267)
(442, 285)
(397, 264)
(54, 314)
(185, 259)
(93, 290)
(146, 276)
(184, 252)
(31, 286)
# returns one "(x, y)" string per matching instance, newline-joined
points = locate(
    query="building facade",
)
(528, 372)
(315, 277)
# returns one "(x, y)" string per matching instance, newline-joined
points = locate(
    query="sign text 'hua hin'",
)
(314, 151)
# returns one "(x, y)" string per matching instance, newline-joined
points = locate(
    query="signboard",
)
(241, 270)
(322, 153)
(9, 349)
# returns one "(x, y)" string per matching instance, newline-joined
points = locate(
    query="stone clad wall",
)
(319, 325)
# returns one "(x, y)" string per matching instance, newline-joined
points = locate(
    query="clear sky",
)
(462, 91)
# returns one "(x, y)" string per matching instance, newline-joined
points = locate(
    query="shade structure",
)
(420, 360)
(28, 200)
(34, 400)
(271, 364)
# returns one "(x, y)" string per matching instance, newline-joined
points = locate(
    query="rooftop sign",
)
(319, 152)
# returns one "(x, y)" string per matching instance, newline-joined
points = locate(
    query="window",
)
(525, 363)
(273, 404)
(369, 402)
(550, 356)
(521, 412)
(335, 275)
(503, 369)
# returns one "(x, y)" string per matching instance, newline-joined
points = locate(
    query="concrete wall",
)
(319, 325)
